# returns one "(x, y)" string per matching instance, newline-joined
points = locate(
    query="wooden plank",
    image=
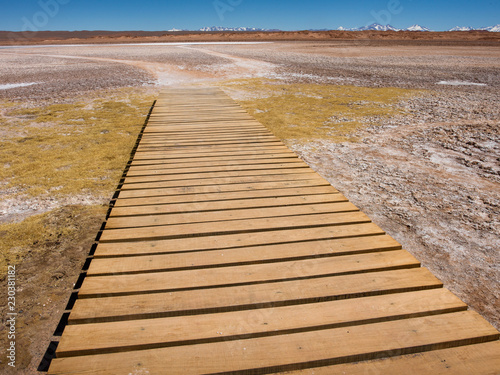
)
(201, 136)
(248, 274)
(185, 134)
(216, 168)
(208, 106)
(234, 226)
(222, 201)
(206, 130)
(202, 162)
(85, 339)
(193, 203)
(238, 256)
(256, 136)
(205, 134)
(168, 170)
(298, 350)
(225, 172)
(263, 146)
(191, 123)
(202, 120)
(282, 293)
(222, 178)
(155, 126)
(167, 119)
(479, 359)
(201, 114)
(202, 132)
(195, 216)
(202, 106)
(245, 128)
(250, 189)
(178, 124)
(213, 160)
(203, 140)
(204, 111)
(212, 150)
(211, 146)
(229, 241)
(166, 160)
(226, 152)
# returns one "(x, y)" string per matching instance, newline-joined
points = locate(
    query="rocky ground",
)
(430, 177)
(434, 187)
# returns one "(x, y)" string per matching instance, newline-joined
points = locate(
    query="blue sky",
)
(282, 14)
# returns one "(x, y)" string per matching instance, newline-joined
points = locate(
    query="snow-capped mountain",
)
(342, 28)
(221, 28)
(462, 28)
(417, 28)
(372, 27)
(378, 27)
(494, 29)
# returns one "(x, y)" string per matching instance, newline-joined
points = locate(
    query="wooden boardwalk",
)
(225, 253)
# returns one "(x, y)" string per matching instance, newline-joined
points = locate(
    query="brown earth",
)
(44, 282)
(429, 177)
(394, 37)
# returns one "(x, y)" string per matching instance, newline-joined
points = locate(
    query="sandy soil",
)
(431, 179)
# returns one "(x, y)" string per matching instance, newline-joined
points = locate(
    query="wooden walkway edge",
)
(226, 254)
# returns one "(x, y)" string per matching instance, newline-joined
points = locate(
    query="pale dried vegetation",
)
(301, 113)
(57, 154)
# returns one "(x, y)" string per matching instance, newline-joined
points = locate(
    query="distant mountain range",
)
(372, 27)
(220, 28)
(378, 27)
(493, 29)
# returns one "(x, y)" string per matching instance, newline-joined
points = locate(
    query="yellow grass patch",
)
(65, 149)
(307, 112)
(60, 151)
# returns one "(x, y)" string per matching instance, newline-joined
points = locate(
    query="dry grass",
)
(64, 149)
(61, 151)
(308, 112)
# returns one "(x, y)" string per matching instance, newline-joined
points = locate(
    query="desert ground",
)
(409, 132)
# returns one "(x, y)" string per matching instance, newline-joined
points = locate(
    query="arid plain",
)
(409, 132)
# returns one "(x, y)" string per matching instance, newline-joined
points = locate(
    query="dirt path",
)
(171, 74)
(240, 67)
(165, 74)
